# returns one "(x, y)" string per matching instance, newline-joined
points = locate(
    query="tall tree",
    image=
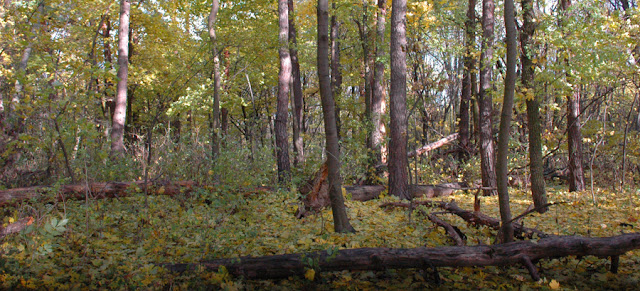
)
(377, 97)
(120, 113)
(298, 102)
(284, 78)
(398, 162)
(527, 53)
(215, 123)
(340, 219)
(574, 135)
(487, 151)
(336, 74)
(467, 84)
(505, 122)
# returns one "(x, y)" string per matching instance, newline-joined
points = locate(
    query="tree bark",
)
(527, 53)
(434, 145)
(502, 171)
(467, 84)
(120, 114)
(398, 162)
(336, 73)
(515, 253)
(284, 78)
(377, 98)
(298, 130)
(340, 219)
(574, 136)
(487, 151)
(215, 124)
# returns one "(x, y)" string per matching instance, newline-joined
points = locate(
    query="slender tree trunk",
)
(120, 114)
(505, 122)
(284, 79)
(487, 151)
(469, 67)
(377, 98)
(574, 135)
(298, 142)
(215, 123)
(527, 54)
(366, 94)
(336, 74)
(340, 219)
(398, 162)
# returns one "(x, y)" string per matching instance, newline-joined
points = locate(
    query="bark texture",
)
(527, 53)
(467, 84)
(502, 171)
(510, 254)
(298, 142)
(487, 151)
(120, 114)
(398, 162)
(284, 79)
(340, 219)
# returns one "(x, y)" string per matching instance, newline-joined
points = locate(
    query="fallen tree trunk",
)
(434, 145)
(514, 253)
(475, 218)
(16, 226)
(96, 190)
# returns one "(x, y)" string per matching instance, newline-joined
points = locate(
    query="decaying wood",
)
(515, 253)
(453, 232)
(96, 190)
(364, 192)
(475, 218)
(432, 191)
(434, 145)
(16, 226)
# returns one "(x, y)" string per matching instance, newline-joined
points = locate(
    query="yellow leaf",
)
(554, 284)
(310, 274)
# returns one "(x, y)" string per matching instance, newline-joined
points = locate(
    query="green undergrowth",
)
(117, 243)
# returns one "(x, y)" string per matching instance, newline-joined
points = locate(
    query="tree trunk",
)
(398, 162)
(469, 67)
(336, 74)
(298, 142)
(515, 253)
(574, 136)
(527, 53)
(340, 219)
(487, 151)
(284, 78)
(377, 99)
(502, 171)
(215, 123)
(120, 114)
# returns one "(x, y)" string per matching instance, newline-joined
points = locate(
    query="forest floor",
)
(118, 243)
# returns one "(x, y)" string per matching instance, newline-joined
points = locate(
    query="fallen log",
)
(521, 252)
(474, 218)
(454, 233)
(364, 192)
(96, 190)
(16, 226)
(432, 146)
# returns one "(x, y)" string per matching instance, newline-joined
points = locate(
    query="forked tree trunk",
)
(487, 151)
(120, 114)
(527, 53)
(398, 162)
(340, 219)
(284, 78)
